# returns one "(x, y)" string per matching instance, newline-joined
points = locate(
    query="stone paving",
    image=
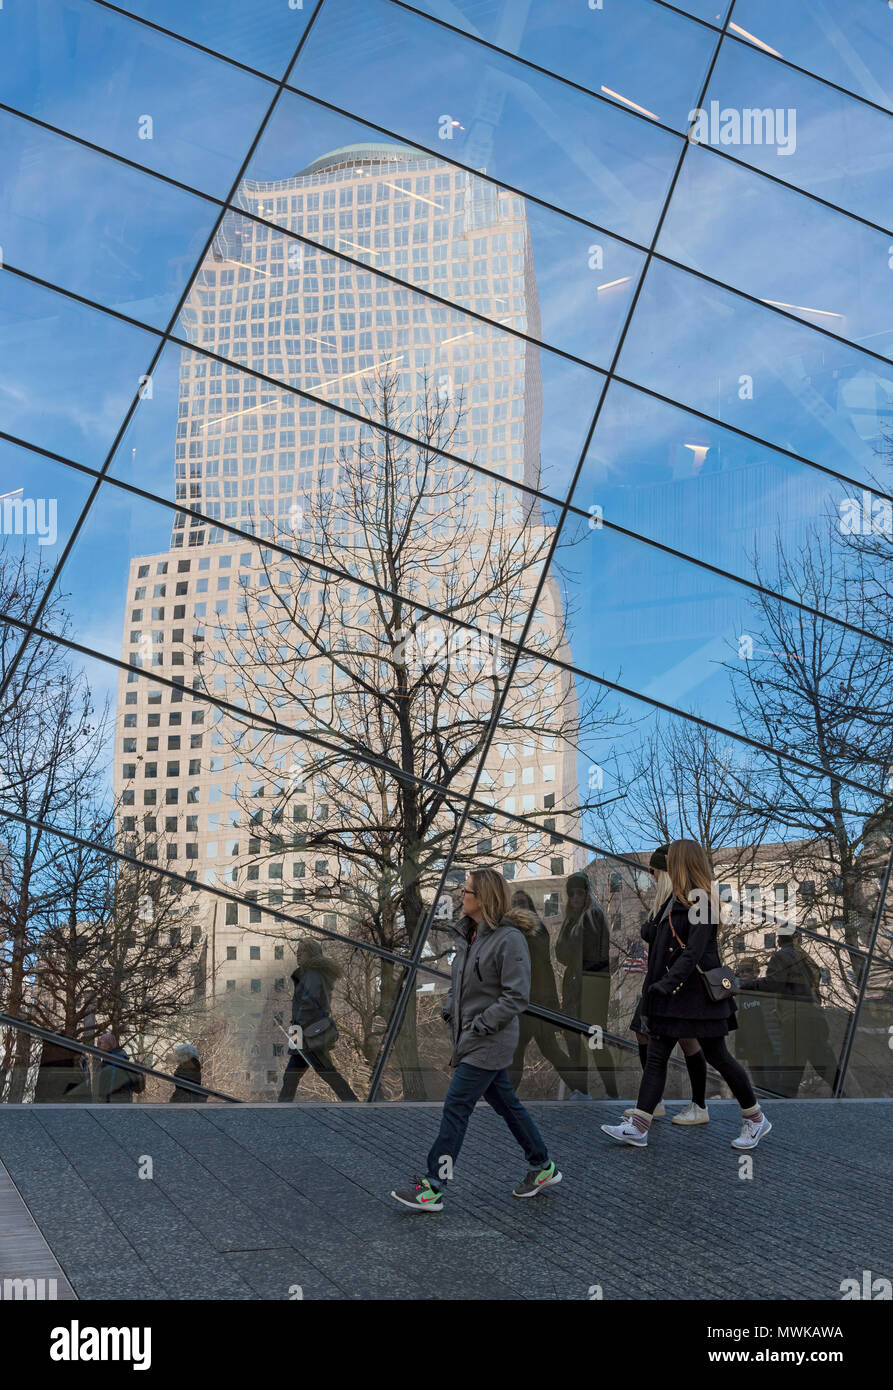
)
(259, 1202)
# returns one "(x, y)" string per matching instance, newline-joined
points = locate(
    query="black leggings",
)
(716, 1054)
(321, 1062)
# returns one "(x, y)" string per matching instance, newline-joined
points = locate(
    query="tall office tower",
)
(324, 493)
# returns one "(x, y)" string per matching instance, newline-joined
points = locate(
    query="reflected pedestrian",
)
(189, 1068)
(583, 947)
(794, 979)
(118, 1084)
(313, 1030)
(543, 991)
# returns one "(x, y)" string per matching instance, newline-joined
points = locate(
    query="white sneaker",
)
(751, 1134)
(692, 1115)
(627, 1133)
(660, 1111)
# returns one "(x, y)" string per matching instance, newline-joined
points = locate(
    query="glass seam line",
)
(47, 828)
(844, 1059)
(275, 383)
(35, 1030)
(334, 572)
(368, 759)
(430, 294)
(550, 73)
(555, 663)
(720, 153)
(564, 213)
(276, 912)
(128, 415)
(589, 91)
(399, 1012)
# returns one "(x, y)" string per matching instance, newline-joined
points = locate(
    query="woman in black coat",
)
(695, 1113)
(676, 1004)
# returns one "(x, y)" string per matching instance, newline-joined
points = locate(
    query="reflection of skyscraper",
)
(261, 459)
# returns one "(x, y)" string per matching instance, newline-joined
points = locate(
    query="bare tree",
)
(822, 692)
(362, 665)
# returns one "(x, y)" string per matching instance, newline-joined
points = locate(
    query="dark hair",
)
(658, 859)
(522, 899)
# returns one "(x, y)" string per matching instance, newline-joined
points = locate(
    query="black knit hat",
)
(658, 859)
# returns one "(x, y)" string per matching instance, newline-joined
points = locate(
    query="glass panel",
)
(801, 131)
(440, 228)
(852, 48)
(263, 37)
(868, 1073)
(759, 371)
(602, 163)
(712, 11)
(69, 373)
(137, 262)
(40, 502)
(599, 46)
(430, 371)
(834, 274)
(171, 107)
(652, 467)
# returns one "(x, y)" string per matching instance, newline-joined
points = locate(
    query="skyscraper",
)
(226, 797)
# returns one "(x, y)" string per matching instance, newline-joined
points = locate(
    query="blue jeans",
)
(467, 1087)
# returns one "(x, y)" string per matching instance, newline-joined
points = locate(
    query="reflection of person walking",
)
(542, 992)
(311, 1002)
(490, 987)
(676, 1002)
(583, 947)
(189, 1068)
(795, 981)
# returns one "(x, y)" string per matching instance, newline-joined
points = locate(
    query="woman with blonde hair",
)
(490, 989)
(677, 1001)
(695, 1113)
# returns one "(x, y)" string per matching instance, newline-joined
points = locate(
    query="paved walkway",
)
(277, 1202)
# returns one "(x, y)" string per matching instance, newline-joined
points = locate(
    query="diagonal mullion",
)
(66, 551)
(396, 1020)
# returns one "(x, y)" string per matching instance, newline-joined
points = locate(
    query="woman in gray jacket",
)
(490, 988)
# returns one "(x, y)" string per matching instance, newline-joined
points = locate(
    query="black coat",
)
(674, 1000)
(312, 999)
(543, 990)
(646, 931)
(190, 1070)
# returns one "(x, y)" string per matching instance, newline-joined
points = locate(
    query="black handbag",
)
(719, 982)
(322, 1034)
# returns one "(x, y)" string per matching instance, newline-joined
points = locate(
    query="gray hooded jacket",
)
(490, 988)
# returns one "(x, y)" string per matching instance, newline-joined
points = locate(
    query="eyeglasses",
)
(468, 893)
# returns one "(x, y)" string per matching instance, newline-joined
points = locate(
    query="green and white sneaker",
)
(536, 1180)
(421, 1196)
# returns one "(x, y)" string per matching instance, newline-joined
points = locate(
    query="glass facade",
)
(440, 436)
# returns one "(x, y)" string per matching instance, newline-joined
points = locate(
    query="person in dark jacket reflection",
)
(543, 991)
(583, 947)
(313, 1029)
(117, 1083)
(189, 1067)
(794, 979)
(62, 1075)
